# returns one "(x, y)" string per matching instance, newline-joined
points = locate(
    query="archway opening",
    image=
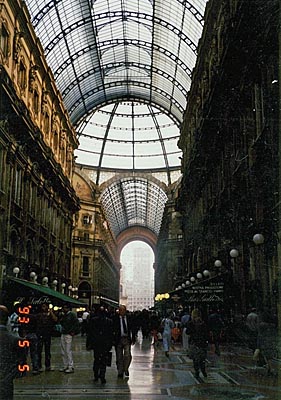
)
(137, 276)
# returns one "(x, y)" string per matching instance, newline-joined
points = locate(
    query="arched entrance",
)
(84, 292)
(137, 277)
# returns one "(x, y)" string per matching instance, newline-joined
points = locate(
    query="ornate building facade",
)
(169, 269)
(230, 142)
(37, 142)
(94, 265)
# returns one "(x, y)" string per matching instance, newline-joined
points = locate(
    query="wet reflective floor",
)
(232, 376)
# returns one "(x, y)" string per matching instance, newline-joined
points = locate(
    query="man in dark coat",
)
(99, 338)
(46, 320)
(124, 335)
(198, 338)
(11, 357)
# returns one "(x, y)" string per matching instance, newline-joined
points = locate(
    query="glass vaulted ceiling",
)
(124, 69)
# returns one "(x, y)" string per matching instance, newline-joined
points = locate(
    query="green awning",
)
(16, 288)
(110, 302)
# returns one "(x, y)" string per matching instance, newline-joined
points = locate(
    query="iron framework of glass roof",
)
(107, 55)
(129, 136)
(134, 201)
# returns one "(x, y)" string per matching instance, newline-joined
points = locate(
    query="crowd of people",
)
(106, 329)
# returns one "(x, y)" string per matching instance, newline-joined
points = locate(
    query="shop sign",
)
(205, 293)
(33, 300)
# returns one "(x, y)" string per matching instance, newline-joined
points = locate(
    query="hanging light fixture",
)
(258, 238)
(45, 281)
(234, 253)
(33, 275)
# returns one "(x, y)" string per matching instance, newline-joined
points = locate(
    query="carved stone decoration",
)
(69, 153)
(17, 45)
(54, 121)
(4, 124)
(62, 139)
(32, 78)
(45, 94)
(6, 52)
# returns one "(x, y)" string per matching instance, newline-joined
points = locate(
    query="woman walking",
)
(167, 325)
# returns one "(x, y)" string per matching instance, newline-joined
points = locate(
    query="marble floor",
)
(232, 376)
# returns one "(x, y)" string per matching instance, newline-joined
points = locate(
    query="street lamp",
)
(206, 273)
(192, 279)
(16, 271)
(63, 285)
(258, 238)
(199, 275)
(218, 263)
(33, 276)
(45, 281)
(55, 282)
(234, 253)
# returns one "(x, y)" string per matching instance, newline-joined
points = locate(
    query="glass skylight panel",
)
(131, 5)
(48, 29)
(35, 6)
(86, 158)
(144, 149)
(87, 143)
(166, 39)
(179, 97)
(120, 162)
(173, 159)
(83, 64)
(116, 54)
(118, 149)
(158, 98)
(170, 11)
(144, 30)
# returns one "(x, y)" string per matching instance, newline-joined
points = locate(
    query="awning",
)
(21, 290)
(110, 302)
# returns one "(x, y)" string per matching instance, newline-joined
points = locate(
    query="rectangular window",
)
(46, 123)
(85, 266)
(87, 219)
(35, 102)
(4, 41)
(180, 265)
(258, 109)
(17, 192)
(2, 169)
(22, 76)
(32, 200)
